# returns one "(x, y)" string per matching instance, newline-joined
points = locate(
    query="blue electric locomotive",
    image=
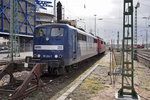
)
(62, 45)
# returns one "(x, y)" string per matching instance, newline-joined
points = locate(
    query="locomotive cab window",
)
(57, 32)
(95, 40)
(40, 32)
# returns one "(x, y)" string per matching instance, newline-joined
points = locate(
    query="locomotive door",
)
(74, 44)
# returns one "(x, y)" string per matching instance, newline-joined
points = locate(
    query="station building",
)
(27, 18)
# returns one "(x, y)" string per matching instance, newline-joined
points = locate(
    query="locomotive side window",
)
(82, 37)
(101, 42)
(57, 32)
(40, 32)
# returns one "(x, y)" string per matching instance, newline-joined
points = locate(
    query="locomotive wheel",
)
(57, 71)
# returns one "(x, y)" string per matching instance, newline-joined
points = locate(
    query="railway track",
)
(118, 57)
(6, 61)
(53, 84)
(143, 56)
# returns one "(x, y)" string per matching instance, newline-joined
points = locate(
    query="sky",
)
(111, 13)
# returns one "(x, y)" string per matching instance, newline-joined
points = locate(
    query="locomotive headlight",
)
(56, 56)
(38, 55)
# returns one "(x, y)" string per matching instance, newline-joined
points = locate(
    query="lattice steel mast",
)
(13, 42)
(127, 48)
(135, 35)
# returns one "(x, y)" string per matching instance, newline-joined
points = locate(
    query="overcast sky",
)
(111, 11)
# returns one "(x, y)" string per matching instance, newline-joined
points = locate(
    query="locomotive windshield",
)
(57, 32)
(40, 32)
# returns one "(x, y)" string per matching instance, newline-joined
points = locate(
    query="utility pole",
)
(95, 24)
(146, 39)
(135, 38)
(118, 41)
(55, 9)
(63, 14)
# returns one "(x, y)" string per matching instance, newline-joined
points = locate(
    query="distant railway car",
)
(62, 45)
(139, 46)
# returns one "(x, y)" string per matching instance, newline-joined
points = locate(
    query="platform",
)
(3, 57)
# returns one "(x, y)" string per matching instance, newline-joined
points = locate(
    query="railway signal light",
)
(59, 11)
